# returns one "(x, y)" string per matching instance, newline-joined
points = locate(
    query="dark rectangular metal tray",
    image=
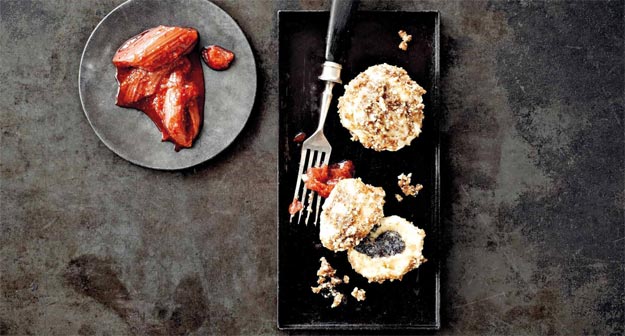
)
(414, 302)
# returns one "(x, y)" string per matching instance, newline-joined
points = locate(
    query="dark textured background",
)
(533, 155)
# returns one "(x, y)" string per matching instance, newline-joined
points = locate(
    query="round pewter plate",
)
(229, 95)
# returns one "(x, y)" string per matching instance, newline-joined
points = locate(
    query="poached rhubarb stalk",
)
(159, 72)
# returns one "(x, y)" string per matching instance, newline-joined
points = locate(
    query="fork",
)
(316, 150)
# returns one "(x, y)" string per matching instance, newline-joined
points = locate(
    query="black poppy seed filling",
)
(385, 245)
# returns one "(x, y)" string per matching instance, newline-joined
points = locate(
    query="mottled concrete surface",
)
(533, 156)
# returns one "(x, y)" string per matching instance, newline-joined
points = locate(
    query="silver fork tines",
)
(310, 158)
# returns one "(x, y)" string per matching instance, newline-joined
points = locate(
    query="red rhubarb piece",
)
(217, 58)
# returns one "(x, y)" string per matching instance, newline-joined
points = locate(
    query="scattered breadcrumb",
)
(399, 198)
(327, 282)
(359, 294)
(325, 270)
(405, 38)
(335, 281)
(403, 181)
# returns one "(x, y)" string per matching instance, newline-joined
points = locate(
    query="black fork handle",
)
(341, 15)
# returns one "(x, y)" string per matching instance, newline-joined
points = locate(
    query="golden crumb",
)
(405, 38)
(325, 270)
(338, 299)
(399, 198)
(335, 281)
(403, 181)
(359, 294)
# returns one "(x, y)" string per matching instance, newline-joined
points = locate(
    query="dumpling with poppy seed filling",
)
(391, 250)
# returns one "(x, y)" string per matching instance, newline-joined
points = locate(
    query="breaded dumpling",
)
(391, 250)
(349, 213)
(382, 108)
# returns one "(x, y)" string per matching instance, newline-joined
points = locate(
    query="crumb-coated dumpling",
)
(382, 108)
(349, 213)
